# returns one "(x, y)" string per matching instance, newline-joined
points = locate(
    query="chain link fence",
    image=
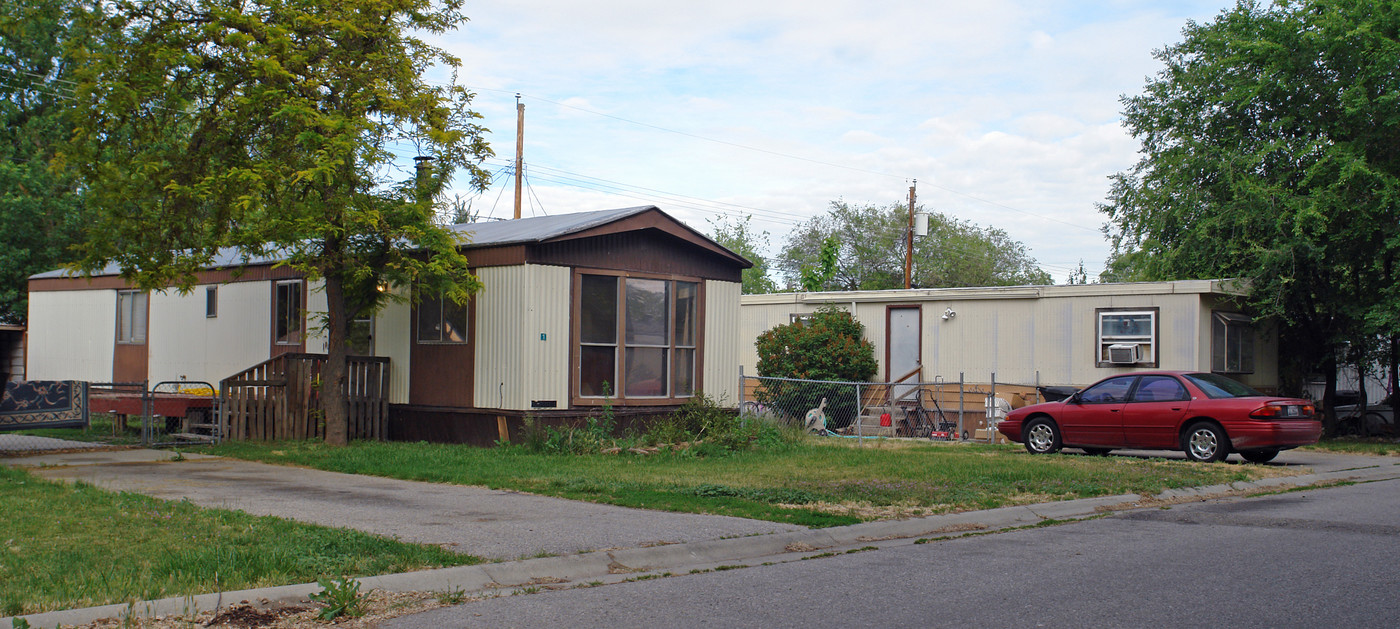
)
(940, 409)
(43, 416)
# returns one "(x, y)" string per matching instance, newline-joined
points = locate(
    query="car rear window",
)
(1218, 386)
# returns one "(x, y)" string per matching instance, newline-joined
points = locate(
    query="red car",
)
(1204, 414)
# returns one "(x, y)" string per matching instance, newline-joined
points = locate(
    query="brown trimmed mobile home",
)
(626, 307)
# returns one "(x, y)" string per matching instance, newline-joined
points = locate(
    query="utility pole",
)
(519, 148)
(909, 240)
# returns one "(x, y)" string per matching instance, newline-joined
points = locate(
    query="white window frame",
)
(1147, 344)
(1231, 334)
(132, 308)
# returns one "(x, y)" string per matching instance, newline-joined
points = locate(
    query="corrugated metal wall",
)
(392, 338)
(1017, 334)
(183, 341)
(522, 337)
(722, 341)
(71, 335)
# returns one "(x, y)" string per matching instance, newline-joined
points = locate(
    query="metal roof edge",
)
(1218, 286)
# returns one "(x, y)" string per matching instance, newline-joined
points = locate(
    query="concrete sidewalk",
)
(710, 547)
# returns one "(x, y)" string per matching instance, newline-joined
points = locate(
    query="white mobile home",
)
(1048, 335)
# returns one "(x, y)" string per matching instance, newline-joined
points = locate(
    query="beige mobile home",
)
(629, 300)
(1047, 335)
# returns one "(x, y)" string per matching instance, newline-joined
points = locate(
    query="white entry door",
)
(902, 341)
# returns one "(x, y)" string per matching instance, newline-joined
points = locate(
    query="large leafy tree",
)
(275, 127)
(871, 243)
(39, 207)
(741, 238)
(1270, 152)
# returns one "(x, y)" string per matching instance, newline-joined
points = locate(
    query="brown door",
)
(130, 357)
(442, 355)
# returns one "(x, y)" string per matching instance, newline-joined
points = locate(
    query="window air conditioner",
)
(1123, 353)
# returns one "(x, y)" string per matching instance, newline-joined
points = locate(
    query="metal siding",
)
(393, 338)
(71, 335)
(756, 319)
(513, 366)
(722, 341)
(182, 341)
(1016, 337)
(317, 340)
(647, 251)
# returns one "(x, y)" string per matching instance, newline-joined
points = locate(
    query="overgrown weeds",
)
(699, 428)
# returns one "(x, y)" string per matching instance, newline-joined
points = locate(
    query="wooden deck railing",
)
(280, 398)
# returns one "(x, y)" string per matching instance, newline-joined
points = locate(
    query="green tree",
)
(1078, 276)
(1270, 152)
(276, 128)
(831, 346)
(738, 236)
(871, 249)
(40, 208)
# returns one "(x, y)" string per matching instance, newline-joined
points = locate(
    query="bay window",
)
(637, 336)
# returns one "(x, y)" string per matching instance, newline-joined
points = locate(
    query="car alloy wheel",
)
(1205, 442)
(1042, 437)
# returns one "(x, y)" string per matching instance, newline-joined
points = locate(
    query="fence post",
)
(741, 384)
(962, 392)
(860, 410)
(992, 409)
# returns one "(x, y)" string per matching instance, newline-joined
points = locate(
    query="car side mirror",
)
(1073, 399)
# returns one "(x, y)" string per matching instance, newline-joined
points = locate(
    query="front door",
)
(902, 353)
(1094, 417)
(130, 356)
(441, 357)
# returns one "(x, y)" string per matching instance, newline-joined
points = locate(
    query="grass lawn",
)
(1357, 445)
(816, 482)
(65, 546)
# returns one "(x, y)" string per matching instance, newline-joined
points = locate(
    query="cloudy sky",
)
(1005, 111)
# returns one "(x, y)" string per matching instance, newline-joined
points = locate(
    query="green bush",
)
(829, 346)
(701, 424)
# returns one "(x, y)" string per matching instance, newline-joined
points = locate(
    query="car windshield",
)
(1217, 386)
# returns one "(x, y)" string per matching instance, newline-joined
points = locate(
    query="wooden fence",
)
(280, 399)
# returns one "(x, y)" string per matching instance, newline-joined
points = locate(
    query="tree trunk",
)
(1393, 375)
(334, 403)
(1329, 394)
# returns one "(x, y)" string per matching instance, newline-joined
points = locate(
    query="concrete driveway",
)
(473, 520)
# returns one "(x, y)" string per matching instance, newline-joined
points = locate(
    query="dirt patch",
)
(248, 617)
(379, 606)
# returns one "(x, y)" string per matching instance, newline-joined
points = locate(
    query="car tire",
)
(1096, 451)
(1372, 425)
(1205, 442)
(1041, 436)
(1259, 456)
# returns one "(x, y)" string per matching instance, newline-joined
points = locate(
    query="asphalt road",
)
(1312, 558)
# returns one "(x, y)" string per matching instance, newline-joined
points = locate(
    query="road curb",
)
(621, 564)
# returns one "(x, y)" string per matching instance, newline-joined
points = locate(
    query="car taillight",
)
(1282, 411)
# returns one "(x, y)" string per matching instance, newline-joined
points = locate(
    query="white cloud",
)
(1005, 111)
